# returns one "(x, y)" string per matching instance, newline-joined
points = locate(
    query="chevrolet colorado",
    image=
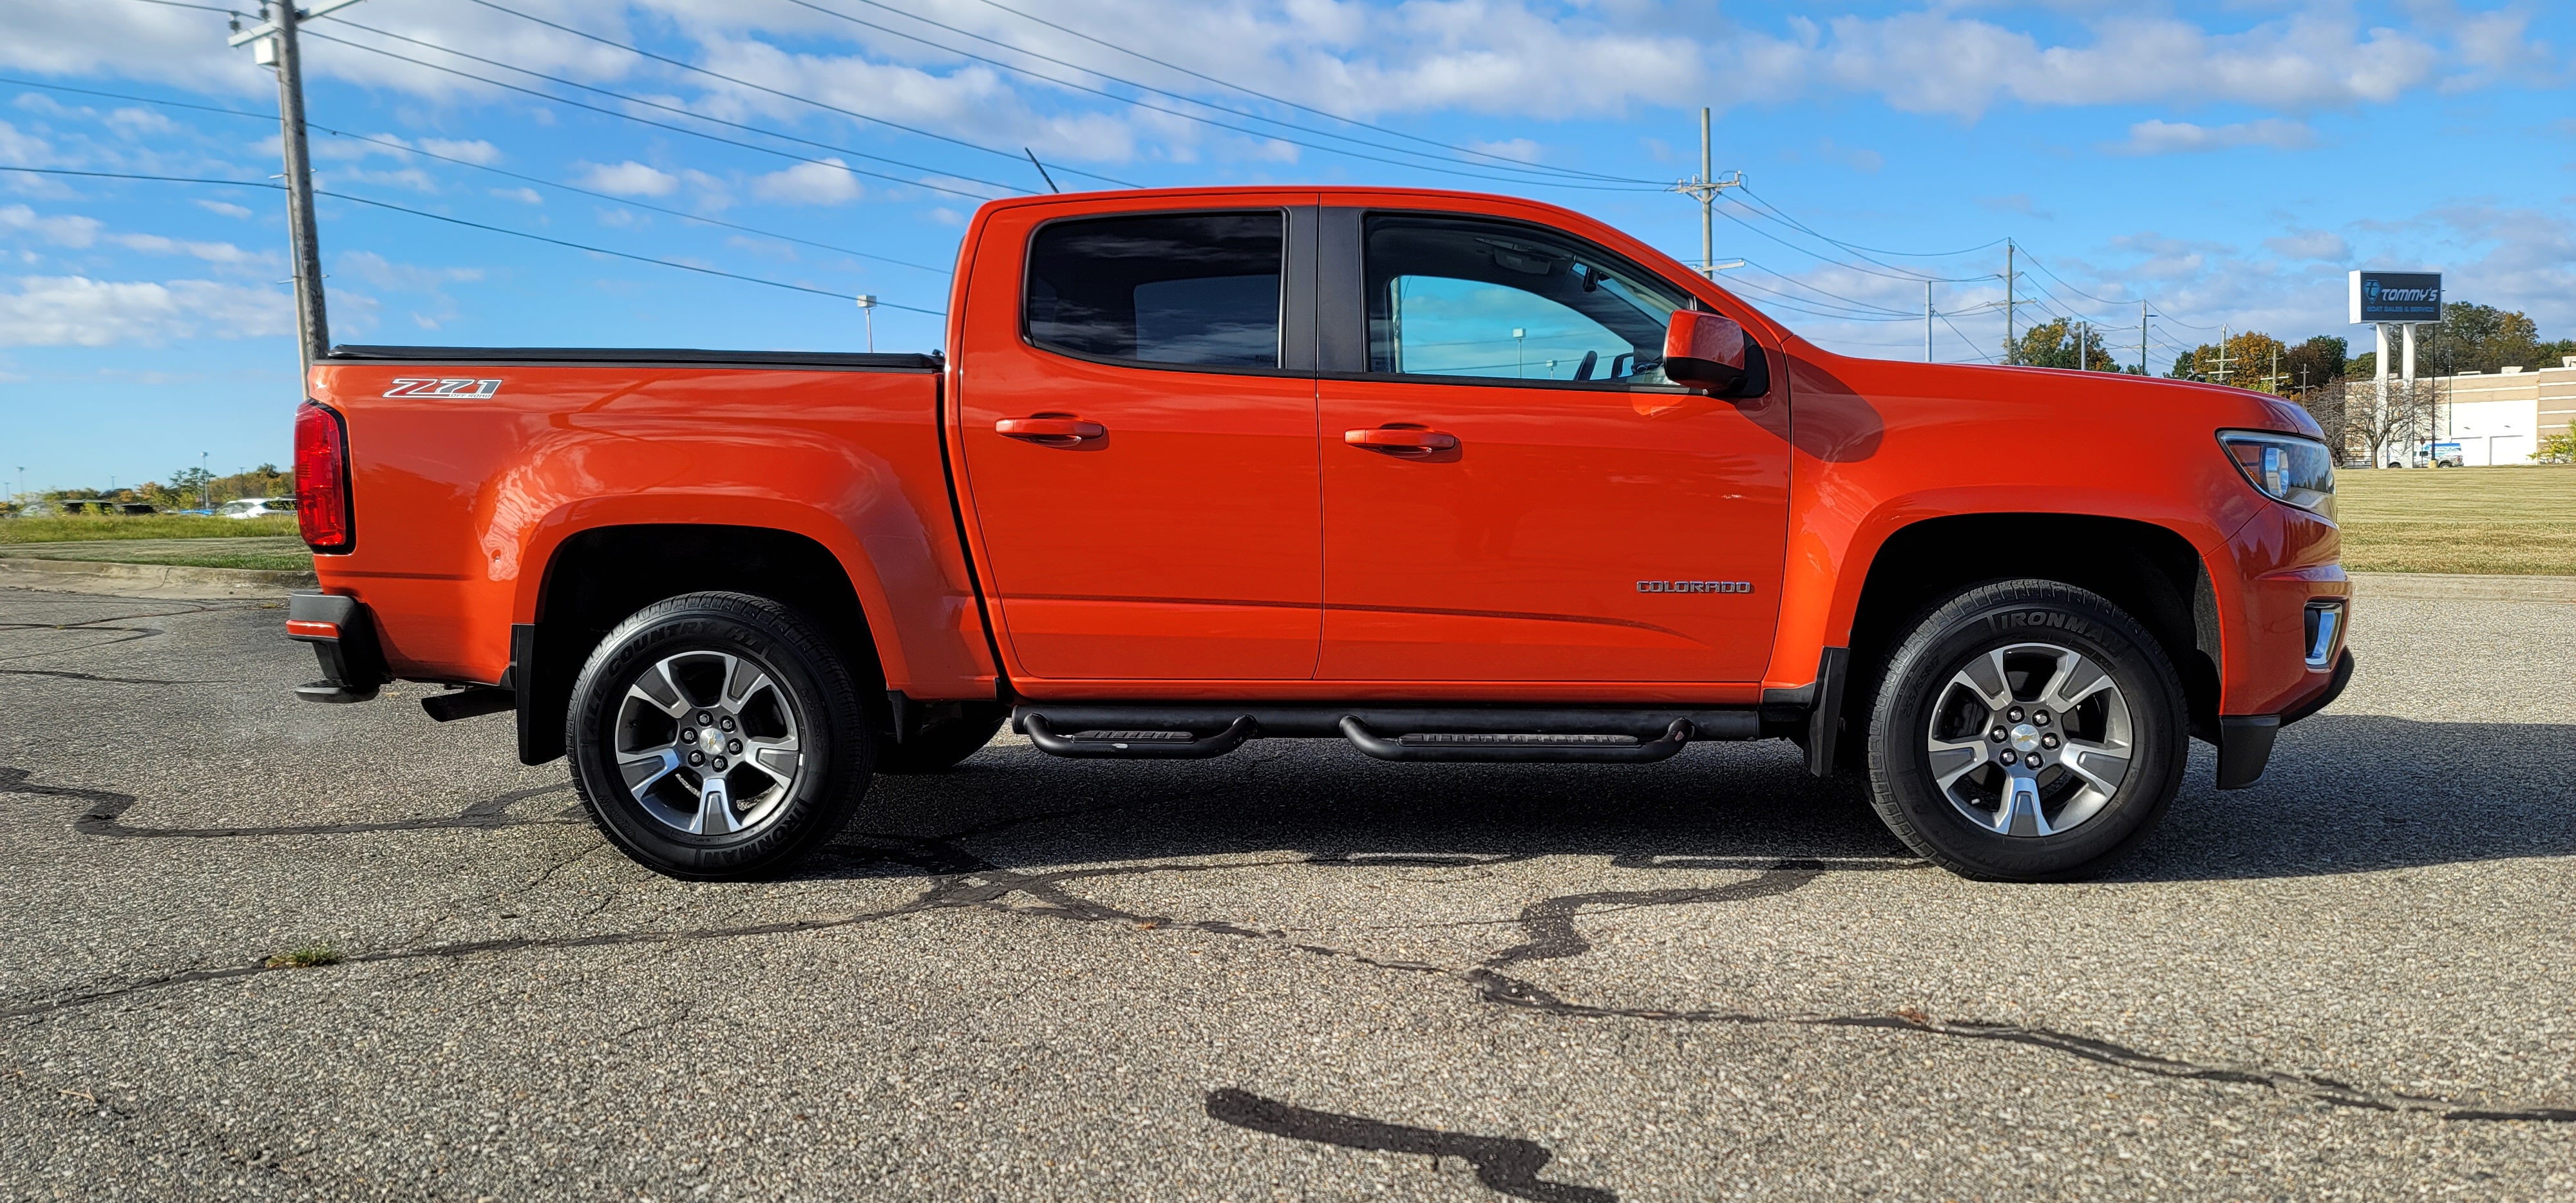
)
(1449, 477)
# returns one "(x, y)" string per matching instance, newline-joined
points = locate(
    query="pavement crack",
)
(1505, 1164)
(107, 809)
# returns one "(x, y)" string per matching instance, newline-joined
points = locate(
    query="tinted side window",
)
(1182, 288)
(1461, 297)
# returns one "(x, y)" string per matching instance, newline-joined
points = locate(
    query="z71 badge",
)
(1694, 586)
(418, 386)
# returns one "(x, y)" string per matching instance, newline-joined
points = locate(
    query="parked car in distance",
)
(81, 506)
(2442, 455)
(256, 507)
(1452, 478)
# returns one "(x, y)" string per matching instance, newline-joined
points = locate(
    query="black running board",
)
(1473, 734)
(1098, 744)
(1519, 748)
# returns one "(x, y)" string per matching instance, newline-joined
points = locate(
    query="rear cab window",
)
(1198, 290)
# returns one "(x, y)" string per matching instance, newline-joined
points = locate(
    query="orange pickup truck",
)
(1450, 477)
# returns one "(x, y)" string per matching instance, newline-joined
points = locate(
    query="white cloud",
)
(72, 231)
(211, 252)
(525, 196)
(2311, 244)
(2183, 137)
(477, 151)
(53, 311)
(826, 183)
(629, 178)
(227, 208)
(23, 150)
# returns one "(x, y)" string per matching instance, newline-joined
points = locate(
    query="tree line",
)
(186, 489)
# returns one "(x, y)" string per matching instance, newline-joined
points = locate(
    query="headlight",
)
(2284, 467)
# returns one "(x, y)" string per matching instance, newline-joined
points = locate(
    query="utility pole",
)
(2012, 350)
(2084, 346)
(2142, 338)
(1704, 187)
(2222, 354)
(274, 44)
(1927, 321)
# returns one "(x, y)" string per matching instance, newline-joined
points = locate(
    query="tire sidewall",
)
(816, 687)
(1997, 616)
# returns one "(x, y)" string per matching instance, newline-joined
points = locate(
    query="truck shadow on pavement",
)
(2345, 794)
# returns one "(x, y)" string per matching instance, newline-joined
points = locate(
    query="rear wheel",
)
(2026, 731)
(717, 736)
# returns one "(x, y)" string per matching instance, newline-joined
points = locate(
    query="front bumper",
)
(2245, 742)
(343, 636)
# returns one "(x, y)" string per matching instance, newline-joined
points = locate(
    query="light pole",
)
(206, 480)
(1520, 365)
(868, 305)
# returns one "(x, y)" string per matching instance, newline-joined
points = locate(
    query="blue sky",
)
(2225, 163)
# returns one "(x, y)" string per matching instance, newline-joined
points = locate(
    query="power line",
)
(1501, 161)
(687, 66)
(1776, 214)
(597, 250)
(415, 150)
(547, 96)
(1188, 116)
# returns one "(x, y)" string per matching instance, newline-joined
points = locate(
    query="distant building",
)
(2500, 418)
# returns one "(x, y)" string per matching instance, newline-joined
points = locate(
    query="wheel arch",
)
(597, 576)
(2153, 572)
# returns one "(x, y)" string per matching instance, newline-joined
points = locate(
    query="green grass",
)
(2497, 521)
(72, 528)
(311, 956)
(271, 552)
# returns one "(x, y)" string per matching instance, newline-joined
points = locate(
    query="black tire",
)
(809, 692)
(2024, 619)
(938, 746)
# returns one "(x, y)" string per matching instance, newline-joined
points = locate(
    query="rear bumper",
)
(343, 637)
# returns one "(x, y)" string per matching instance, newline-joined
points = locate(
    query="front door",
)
(1512, 493)
(1139, 444)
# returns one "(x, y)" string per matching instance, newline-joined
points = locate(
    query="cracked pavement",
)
(1290, 973)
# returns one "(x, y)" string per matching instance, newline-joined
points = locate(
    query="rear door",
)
(1138, 435)
(1512, 493)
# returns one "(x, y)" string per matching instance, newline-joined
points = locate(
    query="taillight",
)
(322, 479)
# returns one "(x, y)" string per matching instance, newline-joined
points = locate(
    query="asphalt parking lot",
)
(1293, 973)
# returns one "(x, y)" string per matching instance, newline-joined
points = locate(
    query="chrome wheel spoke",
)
(1953, 759)
(2020, 813)
(2101, 766)
(643, 769)
(776, 757)
(715, 808)
(2077, 679)
(1984, 676)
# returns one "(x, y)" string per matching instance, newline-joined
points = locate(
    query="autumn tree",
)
(2052, 344)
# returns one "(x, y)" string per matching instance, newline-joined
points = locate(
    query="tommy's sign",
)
(2396, 297)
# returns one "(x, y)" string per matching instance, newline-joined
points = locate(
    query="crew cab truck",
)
(1449, 477)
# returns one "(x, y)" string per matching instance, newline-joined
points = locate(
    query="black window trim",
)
(1342, 275)
(1297, 266)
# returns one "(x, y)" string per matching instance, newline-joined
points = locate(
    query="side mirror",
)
(1711, 353)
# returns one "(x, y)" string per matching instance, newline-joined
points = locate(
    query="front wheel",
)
(2026, 731)
(716, 736)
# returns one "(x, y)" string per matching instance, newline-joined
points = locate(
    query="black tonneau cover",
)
(641, 357)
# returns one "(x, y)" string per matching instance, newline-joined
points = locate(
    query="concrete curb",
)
(2432, 586)
(150, 580)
